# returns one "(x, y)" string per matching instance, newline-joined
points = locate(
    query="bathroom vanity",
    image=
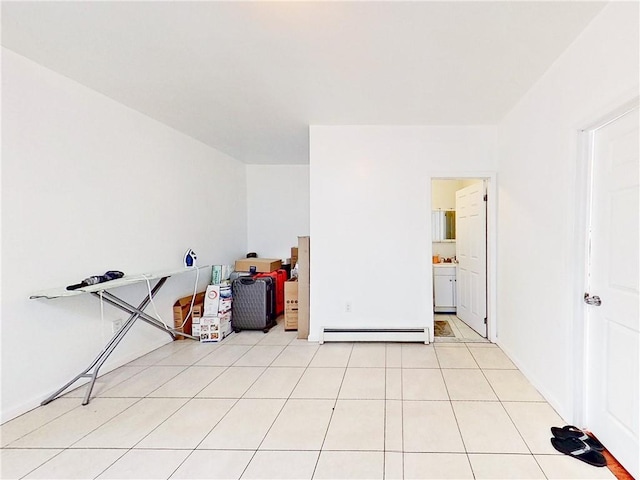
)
(444, 287)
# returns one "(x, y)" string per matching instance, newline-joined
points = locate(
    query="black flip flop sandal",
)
(578, 449)
(569, 431)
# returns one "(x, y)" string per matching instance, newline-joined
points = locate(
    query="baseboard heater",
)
(374, 335)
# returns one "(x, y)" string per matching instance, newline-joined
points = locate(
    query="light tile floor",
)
(463, 332)
(270, 406)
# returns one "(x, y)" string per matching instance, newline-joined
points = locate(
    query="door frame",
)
(581, 254)
(490, 177)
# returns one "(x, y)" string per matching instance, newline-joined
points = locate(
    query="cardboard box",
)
(291, 305)
(216, 274)
(212, 300)
(294, 256)
(195, 329)
(304, 278)
(181, 310)
(225, 305)
(214, 329)
(262, 265)
(220, 273)
(192, 322)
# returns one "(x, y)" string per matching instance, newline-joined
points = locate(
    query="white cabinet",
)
(444, 288)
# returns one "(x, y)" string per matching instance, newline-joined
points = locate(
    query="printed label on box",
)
(214, 329)
(216, 274)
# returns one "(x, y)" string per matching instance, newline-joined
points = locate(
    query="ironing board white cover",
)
(119, 282)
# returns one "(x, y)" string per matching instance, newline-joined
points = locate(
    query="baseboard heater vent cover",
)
(374, 335)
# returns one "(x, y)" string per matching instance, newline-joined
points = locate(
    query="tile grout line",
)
(307, 368)
(508, 415)
(523, 439)
(114, 462)
(126, 450)
(384, 419)
(101, 394)
(69, 447)
(335, 403)
(227, 412)
(455, 417)
(182, 348)
(283, 405)
(402, 407)
(189, 399)
(255, 451)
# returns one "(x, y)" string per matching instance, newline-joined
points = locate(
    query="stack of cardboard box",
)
(296, 291)
(291, 305)
(215, 324)
(182, 320)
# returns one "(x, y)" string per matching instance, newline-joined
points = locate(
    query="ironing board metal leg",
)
(54, 395)
(115, 339)
(122, 305)
(105, 354)
(111, 345)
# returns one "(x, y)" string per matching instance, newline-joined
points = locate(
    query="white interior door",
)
(471, 252)
(612, 327)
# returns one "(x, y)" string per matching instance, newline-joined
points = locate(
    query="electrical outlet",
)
(116, 325)
(347, 307)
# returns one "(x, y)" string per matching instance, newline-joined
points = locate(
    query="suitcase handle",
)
(247, 280)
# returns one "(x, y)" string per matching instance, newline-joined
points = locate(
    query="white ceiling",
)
(248, 78)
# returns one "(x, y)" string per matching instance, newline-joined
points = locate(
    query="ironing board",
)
(100, 291)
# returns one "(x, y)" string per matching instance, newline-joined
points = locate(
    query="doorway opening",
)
(460, 252)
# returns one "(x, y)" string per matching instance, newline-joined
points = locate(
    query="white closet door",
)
(471, 252)
(612, 368)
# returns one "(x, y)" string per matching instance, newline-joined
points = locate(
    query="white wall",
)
(370, 193)
(90, 185)
(538, 207)
(444, 249)
(277, 208)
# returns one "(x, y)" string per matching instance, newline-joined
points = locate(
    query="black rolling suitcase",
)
(254, 304)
